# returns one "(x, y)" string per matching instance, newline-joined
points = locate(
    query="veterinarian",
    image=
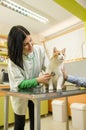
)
(79, 81)
(25, 63)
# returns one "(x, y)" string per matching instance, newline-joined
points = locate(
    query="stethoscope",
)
(31, 57)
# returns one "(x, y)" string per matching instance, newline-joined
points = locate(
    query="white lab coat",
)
(32, 68)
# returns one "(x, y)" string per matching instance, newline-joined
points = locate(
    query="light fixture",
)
(24, 11)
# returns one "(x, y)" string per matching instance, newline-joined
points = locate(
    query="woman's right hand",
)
(44, 78)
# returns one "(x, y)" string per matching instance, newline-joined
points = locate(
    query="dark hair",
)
(15, 40)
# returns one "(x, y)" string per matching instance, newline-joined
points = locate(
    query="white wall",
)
(71, 41)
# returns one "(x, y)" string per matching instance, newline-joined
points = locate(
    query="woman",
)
(25, 63)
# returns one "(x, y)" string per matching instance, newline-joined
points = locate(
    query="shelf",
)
(3, 53)
(3, 46)
(3, 50)
(3, 63)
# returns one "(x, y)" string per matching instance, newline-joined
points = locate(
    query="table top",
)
(39, 94)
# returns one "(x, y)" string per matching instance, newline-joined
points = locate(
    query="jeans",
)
(20, 119)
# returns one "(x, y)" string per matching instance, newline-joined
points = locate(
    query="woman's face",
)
(27, 45)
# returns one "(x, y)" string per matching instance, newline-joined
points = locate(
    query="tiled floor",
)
(47, 123)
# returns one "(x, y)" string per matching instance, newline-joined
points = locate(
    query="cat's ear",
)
(54, 49)
(64, 50)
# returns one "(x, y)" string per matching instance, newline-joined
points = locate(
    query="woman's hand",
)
(44, 78)
(64, 74)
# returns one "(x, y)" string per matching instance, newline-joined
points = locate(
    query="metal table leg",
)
(67, 120)
(37, 124)
(6, 107)
(37, 114)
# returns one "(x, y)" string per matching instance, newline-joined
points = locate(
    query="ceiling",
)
(57, 16)
(82, 2)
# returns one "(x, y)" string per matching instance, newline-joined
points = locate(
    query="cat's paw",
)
(50, 87)
(59, 88)
(43, 89)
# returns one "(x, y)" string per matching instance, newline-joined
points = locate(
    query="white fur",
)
(56, 65)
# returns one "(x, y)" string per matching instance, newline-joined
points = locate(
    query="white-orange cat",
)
(55, 66)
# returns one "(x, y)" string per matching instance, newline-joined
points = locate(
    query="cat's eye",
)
(58, 53)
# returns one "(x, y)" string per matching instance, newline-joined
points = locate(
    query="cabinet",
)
(43, 109)
(71, 99)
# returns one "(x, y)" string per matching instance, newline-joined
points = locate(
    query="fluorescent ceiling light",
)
(24, 11)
